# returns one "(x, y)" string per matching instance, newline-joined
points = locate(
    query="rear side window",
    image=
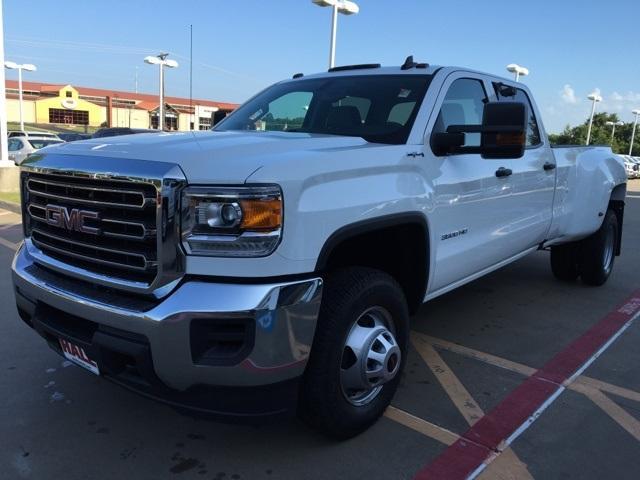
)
(463, 105)
(533, 130)
(14, 145)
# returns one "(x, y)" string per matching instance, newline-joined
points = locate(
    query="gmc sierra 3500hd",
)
(271, 265)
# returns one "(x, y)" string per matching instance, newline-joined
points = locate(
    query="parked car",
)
(636, 160)
(20, 147)
(73, 136)
(271, 265)
(20, 133)
(632, 167)
(117, 131)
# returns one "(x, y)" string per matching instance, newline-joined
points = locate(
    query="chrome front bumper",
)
(285, 316)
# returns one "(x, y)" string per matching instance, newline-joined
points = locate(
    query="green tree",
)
(600, 134)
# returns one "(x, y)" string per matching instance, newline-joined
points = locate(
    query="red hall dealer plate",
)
(77, 355)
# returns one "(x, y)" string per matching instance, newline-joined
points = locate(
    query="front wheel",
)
(358, 353)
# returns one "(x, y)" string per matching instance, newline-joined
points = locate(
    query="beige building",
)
(61, 105)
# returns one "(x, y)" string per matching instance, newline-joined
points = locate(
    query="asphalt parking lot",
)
(480, 356)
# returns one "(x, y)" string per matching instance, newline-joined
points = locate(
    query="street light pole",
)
(633, 132)
(4, 154)
(613, 126)
(517, 71)
(29, 68)
(595, 98)
(334, 32)
(161, 107)
(345, 7)
(162, 61)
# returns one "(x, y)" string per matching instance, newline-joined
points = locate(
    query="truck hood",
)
(211, 157)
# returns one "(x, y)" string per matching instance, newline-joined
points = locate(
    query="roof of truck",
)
(375, 69)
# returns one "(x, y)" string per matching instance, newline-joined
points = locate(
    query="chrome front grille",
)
(112, 222)
(125, 242)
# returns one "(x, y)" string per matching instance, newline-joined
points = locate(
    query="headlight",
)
(231, 221)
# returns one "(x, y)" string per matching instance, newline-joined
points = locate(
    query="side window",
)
(14, 145)
(285, 113)
(533, 131)
(463, 105)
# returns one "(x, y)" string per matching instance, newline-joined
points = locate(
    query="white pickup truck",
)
(271, 265)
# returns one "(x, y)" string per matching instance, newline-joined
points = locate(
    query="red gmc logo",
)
(72, 220)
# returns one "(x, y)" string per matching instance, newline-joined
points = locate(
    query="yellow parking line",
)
(504, 466)
(481, 356)
(6, 243)
(428, 429)
(6, 226)
(526, 370)
(616, 412)
(459, 395)
(609, 388)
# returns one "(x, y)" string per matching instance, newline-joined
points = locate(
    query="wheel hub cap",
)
(371, 357)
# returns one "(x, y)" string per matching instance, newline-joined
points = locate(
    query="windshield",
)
(380, 108)
(39, 143)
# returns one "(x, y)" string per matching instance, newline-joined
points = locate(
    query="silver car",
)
(20, 147)
(20, 133)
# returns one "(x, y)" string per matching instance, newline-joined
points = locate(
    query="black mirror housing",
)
(444, 143)
(503, 133)
(504, 129)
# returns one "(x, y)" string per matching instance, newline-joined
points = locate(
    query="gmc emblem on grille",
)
(72, 220)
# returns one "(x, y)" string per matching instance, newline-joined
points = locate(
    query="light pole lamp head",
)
(11, 65)
(29, 67)
(619, 124)
(151, 60)
(170, 63)
(594, 97)
(611, 124)
(520, 70)
(636, 112)
(345, 7)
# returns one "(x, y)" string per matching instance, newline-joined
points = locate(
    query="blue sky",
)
(571, 47)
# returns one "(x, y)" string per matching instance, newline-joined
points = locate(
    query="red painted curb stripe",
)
(467, 454)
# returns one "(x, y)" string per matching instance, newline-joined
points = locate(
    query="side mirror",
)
(504, 130)
(503, 133)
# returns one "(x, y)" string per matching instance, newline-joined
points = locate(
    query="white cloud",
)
(568, 94)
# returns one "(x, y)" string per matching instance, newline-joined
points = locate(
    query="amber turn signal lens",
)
(510, 139)
(261, 214)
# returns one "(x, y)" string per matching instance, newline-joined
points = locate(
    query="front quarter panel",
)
(326, 191)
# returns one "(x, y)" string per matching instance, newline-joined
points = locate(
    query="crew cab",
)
(271, 265)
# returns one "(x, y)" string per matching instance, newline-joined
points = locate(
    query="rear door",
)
(533, 180)
(468, 221)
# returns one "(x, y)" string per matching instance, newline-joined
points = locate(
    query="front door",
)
(468, 222)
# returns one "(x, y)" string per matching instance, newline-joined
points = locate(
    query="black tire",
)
(564, 261)
(597, 252)
(348, 293)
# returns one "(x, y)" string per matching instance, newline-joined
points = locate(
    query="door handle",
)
(548, 166)
(503, 172)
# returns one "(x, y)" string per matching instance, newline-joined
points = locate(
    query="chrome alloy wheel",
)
(371, 356)
(609, 247)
